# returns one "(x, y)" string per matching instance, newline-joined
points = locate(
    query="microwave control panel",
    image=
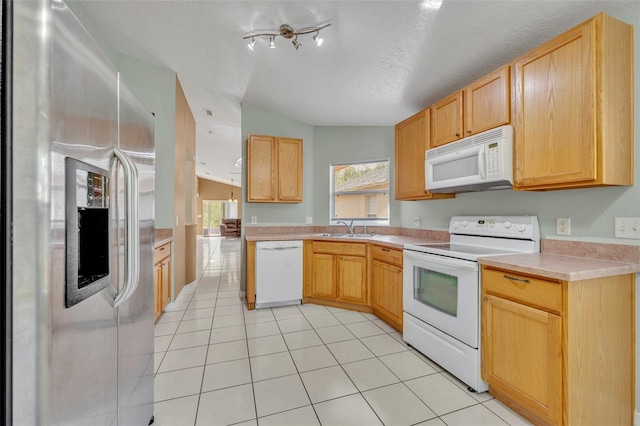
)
(493, 155)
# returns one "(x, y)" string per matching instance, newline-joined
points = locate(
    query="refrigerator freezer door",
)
(135, 315)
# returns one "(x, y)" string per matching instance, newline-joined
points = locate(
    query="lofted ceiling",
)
(381, 61)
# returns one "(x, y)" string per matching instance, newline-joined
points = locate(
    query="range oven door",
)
(444, 293)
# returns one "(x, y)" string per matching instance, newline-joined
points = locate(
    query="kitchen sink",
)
(343, 235)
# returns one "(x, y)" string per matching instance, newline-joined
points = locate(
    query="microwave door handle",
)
(481, 163)
(132, 247)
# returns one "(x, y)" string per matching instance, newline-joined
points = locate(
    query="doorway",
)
(211, 217)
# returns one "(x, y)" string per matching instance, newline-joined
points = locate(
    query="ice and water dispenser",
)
(87, 230)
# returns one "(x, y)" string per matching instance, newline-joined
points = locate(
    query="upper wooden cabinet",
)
(482, 105)
(446, 120)
(487, 102)
(573, 109)
(274, 169)
(412, 140)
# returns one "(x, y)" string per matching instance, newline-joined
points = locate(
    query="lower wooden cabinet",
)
(162, 275)
(386, 284)
(546, 345)
(338, 272)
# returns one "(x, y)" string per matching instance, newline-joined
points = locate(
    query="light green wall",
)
(259, 121)
(349, 144)
(156, 89)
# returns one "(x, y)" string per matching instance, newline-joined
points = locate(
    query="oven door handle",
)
(441, 260)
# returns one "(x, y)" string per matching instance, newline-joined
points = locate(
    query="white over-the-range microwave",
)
(478, 163)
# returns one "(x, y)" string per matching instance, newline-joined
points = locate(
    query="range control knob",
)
(521, 228)
(455, 225)
(507, 224)
(465, 223)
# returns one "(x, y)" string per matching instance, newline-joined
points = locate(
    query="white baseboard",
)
(636, 419)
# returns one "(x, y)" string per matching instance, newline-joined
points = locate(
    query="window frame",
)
(359, 221)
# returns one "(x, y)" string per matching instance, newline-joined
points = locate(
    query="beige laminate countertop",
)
(160, 243)
(394, 241)
(555, 266)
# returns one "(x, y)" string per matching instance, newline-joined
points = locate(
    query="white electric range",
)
(441, 288)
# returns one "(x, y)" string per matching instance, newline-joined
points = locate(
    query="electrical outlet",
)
(254, 220)
(416, 221)
(627, 227)
(308, 220)
(563, 226)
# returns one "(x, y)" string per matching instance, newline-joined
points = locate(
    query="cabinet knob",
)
(485, 299)
(457, 135)
(468, 131)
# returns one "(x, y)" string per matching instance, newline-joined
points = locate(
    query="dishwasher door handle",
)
(278, 248)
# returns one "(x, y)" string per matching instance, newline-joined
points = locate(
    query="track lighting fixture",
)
(287, 32)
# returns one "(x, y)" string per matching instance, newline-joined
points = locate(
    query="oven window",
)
(439, 291)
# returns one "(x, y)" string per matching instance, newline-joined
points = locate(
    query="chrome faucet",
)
(349, 227)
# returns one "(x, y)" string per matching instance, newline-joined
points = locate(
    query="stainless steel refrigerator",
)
(78, 228)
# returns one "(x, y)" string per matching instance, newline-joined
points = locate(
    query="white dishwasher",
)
(278, 273)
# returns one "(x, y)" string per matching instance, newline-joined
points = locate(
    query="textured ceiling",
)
(381, 61)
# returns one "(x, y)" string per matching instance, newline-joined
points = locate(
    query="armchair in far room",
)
(230, 227)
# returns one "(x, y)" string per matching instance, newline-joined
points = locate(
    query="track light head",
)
(318, 39)
(252, 44)
(296, 43)
(272, 44)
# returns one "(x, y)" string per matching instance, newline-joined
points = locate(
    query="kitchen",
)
(327, 145)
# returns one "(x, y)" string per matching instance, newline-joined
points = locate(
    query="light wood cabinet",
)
(274, 169)
(574, 109)
(162, 275)
(447, 120)
(412, 140)
(560, 352)
(337, 272)
(386, 284)
(487, 102)
(482, 105)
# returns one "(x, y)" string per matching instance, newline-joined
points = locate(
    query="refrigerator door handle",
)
(132, 247)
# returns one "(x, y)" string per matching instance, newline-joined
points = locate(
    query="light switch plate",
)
(416, 221)
(308, 220)
(254, 220)
(627, 227)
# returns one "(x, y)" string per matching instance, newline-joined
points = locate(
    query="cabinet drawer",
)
(162, 252)
(522, 288)
(354, 249)
(386, 254)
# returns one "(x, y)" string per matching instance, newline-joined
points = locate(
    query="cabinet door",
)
(261, 169)
(412, 140)
(323, 276)
(157, 290)
(352, 279)
(555, 111)
(487, 102)
(446, 120)
(166, 282)
(386, 290)
(522, 355)
(290, 170)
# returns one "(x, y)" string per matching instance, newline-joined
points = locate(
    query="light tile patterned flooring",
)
(219, 364)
